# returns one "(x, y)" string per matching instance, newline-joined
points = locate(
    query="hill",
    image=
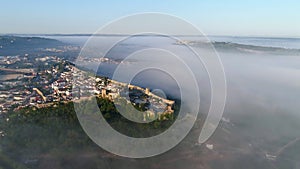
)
(13, 45)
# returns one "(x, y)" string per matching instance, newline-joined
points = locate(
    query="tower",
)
(169, 109)
(147, 91)
(103, 93)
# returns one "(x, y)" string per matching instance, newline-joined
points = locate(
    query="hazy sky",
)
(213, 17)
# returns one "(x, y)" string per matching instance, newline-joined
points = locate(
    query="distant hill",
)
(237, 47)
(13, 45)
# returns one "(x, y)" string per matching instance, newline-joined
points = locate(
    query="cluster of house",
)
(65, 82)
(26, 60)
(9, 59)
(12, 98)
(26, 88)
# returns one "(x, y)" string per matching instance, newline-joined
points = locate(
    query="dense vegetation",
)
(32, 133)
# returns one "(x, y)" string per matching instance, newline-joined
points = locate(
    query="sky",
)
(277, 18)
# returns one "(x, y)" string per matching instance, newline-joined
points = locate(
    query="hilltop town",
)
(61, 81)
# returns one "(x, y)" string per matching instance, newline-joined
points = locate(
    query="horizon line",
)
(91, 34)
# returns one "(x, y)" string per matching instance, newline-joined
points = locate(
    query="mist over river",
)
(267, 80)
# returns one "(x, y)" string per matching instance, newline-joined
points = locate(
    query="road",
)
(17, 70)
